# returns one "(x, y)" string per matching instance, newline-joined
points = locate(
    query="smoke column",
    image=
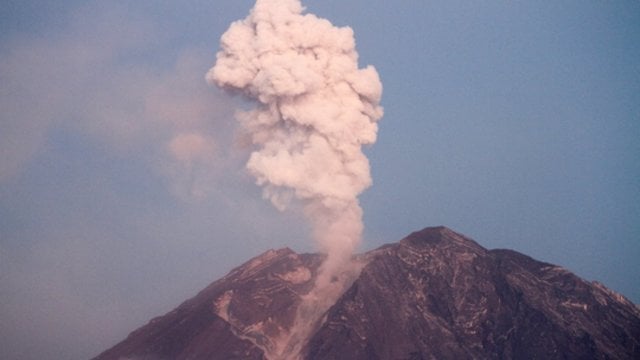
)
(315, 109)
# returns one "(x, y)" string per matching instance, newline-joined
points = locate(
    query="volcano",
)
(435, 294)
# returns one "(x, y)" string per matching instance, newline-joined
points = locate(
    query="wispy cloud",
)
(90, 78)
(82, 245)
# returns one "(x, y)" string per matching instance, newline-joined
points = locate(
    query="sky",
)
(123, 190)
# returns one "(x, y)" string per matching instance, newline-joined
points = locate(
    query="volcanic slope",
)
(434, 295)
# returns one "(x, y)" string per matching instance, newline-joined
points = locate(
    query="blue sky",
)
(516, 124)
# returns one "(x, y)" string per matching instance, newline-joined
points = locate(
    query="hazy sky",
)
(122, 182)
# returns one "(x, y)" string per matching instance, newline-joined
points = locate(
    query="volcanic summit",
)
(435, 294)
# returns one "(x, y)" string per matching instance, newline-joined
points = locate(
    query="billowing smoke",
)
(315, 109)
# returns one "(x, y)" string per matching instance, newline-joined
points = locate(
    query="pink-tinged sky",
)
(122, 181)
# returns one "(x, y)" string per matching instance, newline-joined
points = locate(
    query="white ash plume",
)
(315, 109)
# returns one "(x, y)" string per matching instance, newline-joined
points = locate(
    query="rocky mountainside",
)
(434, 295)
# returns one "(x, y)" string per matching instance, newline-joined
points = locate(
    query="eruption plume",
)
(315, 109)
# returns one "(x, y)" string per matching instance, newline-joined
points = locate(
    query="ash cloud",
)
(314, 110)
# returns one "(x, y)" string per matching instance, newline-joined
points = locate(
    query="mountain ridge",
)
(433, 294)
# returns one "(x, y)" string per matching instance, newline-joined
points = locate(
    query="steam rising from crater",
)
(315, 109)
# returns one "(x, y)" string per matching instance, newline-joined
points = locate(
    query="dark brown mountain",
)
(434, 295)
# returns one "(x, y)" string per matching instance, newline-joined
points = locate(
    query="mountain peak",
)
(262, 261)
(434, 294)
(439, 236)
